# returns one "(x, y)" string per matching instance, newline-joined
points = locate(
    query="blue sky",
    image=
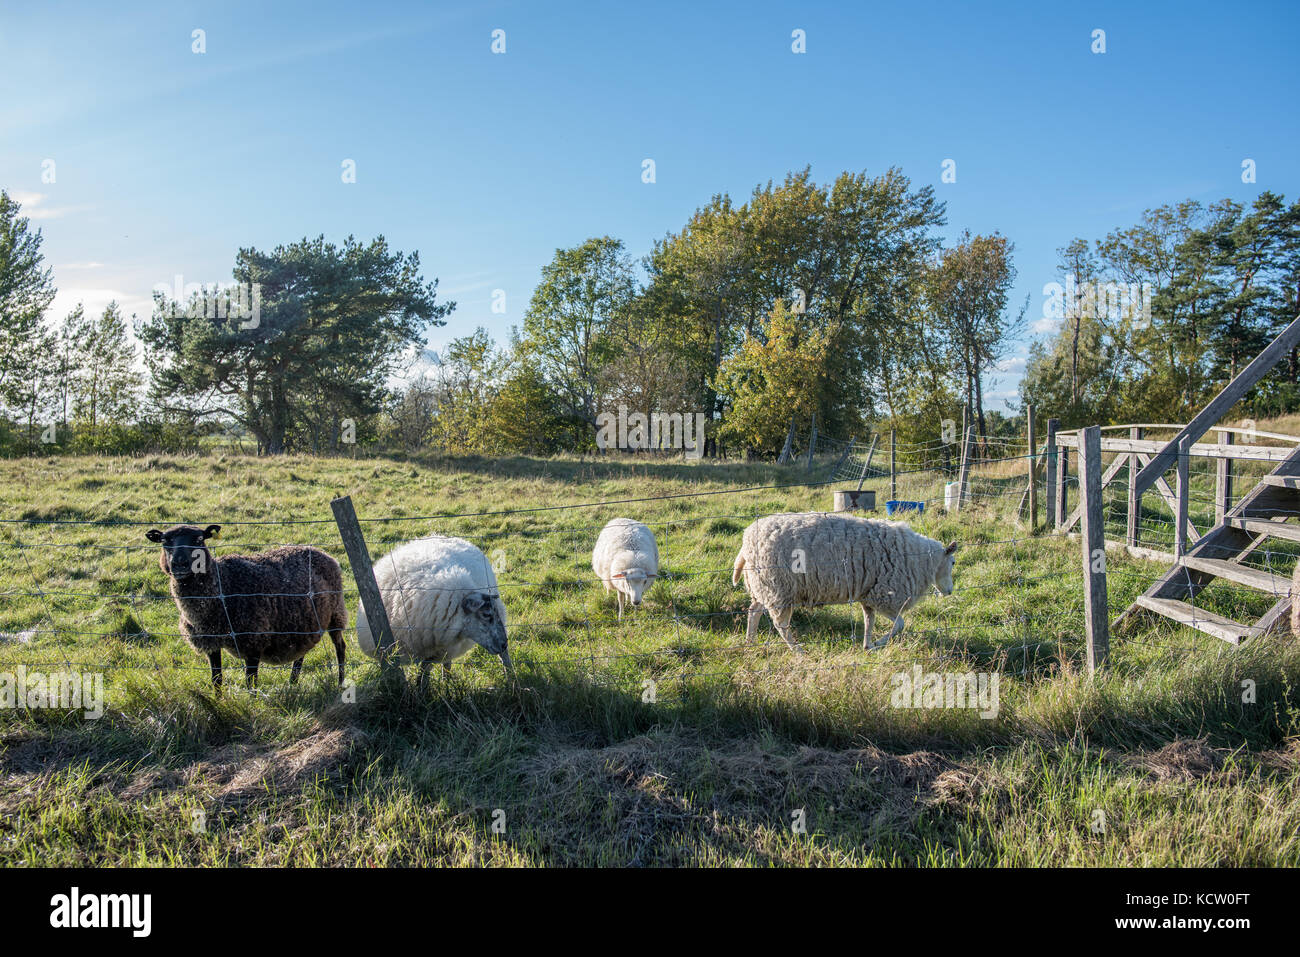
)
(168, 161)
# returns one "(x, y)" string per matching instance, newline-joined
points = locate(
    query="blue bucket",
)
(893, 506)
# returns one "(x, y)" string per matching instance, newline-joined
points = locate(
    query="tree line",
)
(836, 301)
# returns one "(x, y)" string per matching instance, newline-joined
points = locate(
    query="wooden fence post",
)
(1093, 539)
(1062, 485)
(848, 450)
(1180, 519)
(963, 475)
(812, 441)
(866, 463)
(1033, 478)
(787, 449)
(893, 464)
(1134, 496)
(1049, 482)
(1223, 482)
(354, 543)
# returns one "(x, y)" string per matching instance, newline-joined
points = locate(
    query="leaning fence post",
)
(866, 463)
(1180, 520)
(354, 543)
(1134, 496)
(1050, 478)
(893, 465)
(1094, 549)
(963, 475)
(1033, 461)
(812, 441)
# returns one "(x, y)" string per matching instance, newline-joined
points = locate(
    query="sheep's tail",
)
(738, 568)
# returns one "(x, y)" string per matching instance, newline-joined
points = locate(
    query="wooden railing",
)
(1139, 453)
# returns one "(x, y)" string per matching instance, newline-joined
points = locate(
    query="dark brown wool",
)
(272, 607)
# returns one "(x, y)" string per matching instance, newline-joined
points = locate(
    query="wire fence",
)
(90, 595)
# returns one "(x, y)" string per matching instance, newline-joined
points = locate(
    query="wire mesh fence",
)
(89, 594)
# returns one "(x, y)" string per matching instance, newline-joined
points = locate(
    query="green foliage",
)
(334, 325)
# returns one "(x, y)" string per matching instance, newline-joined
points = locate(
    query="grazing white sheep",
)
(442, 599)
(626, 560)
(811, 558)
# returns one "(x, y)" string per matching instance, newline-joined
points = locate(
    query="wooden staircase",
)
(1262, 514)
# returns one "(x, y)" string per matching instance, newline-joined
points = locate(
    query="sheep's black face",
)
(184, 550)
(484, 623)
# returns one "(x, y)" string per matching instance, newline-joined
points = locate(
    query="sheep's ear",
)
(471, 603)
(153, 535)
(951, 549)
(211, 531)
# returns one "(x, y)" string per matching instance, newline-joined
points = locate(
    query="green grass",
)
(1160, 761)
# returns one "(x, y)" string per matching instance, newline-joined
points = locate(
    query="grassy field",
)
(663, 739)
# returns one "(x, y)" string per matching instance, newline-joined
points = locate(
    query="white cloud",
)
(1045, 325)
(95, 301)
(33, 206)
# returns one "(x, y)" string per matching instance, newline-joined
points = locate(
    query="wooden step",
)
(1207, 621)
(1281, 481)
(1262, 526)
(1254, 577)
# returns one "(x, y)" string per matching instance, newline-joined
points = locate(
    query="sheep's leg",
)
(214, 659)
(868, 623)
(755, 616)
(336, 634)
(295, 671)
(898, 627)
(782, 618)
(620, 604)
(250, 672)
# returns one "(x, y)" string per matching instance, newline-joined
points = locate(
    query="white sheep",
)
(442, 599)
(811, 558)
(626, 560)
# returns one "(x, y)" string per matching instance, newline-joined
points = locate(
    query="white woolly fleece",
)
(884, 565)
(623, 545)
(422, 583)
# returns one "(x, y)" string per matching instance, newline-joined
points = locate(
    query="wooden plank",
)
(1207, 450)
(1207, 621)
(1281, 481)
(1255, 578)
(1223, 482)
(1218, 407)
(1050, 480)
(1262, 526)
(354, 543)
(1033, 478)
(1134, 497)
(1095, 613)
(1180, 510)
(812, 442)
